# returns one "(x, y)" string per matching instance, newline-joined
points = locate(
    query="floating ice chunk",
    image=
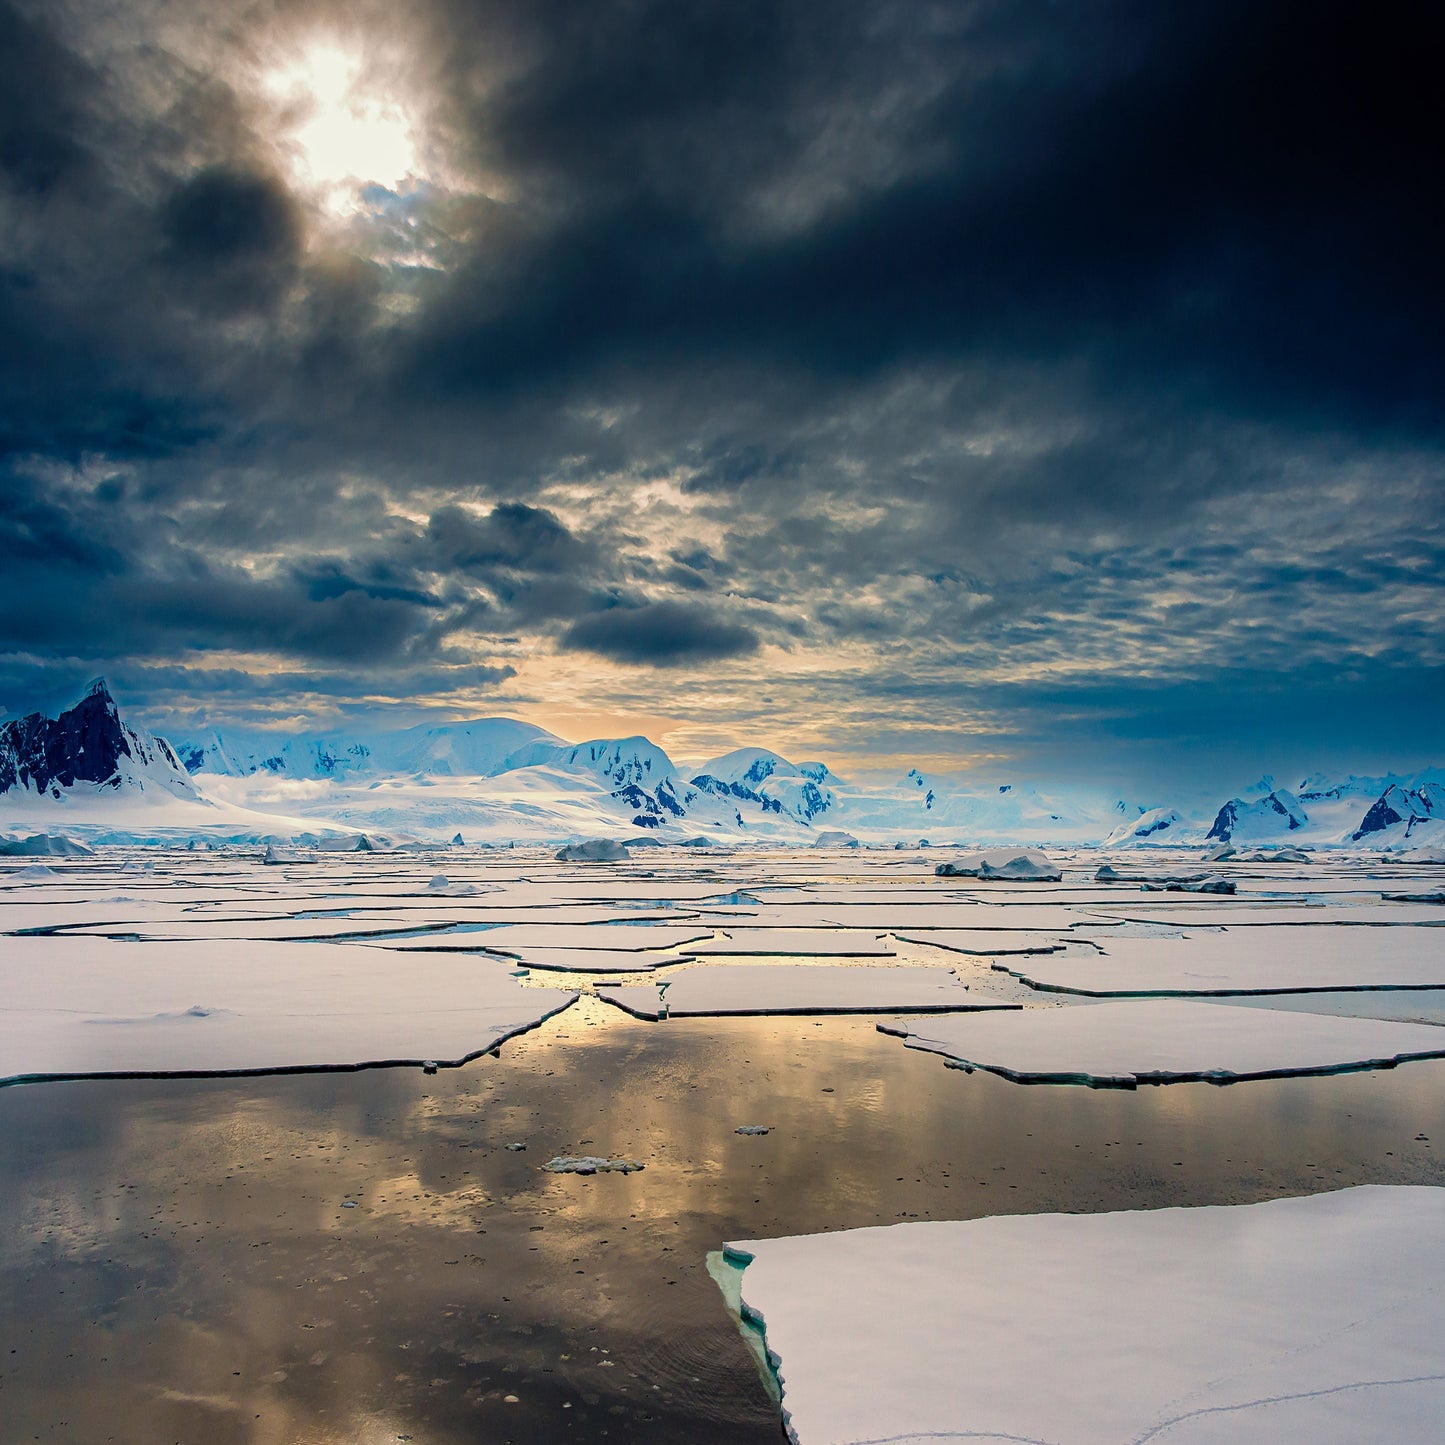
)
(94, 1006)
(1247, 960)
(785, 988)
(1311, 1321)
(1421, 855)
(753, 1129)
(1020, 865)
(1166, 1041)
(594, 850)
(835, 838)
(591, 1164)
(1192, 885)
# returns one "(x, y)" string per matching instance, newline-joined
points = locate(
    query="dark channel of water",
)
(176, 1263)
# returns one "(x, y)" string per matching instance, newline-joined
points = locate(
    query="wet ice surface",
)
(1298, 1320)
(372, 1256)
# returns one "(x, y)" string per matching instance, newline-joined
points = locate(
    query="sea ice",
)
(796, 988)
(800, 942)
(1166, 1041)
(1246, 960)
(1314, 1321)
(92, 1006)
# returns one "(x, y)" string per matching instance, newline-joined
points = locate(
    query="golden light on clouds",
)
(341, 135)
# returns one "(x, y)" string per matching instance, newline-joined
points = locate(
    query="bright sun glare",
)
(341, 138)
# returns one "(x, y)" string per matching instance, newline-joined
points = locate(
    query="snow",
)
(799, 942)
(784, 988)
(1165, 1041)
(1247, 960)
(981, 942)
(86, 1006)
(1314, 1320)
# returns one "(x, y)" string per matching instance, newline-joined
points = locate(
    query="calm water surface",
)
(177, 1264)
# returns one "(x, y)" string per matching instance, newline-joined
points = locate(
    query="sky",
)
(1047, 389)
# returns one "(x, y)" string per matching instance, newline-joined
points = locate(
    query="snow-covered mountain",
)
(503, 780)
(87, 749)
(466, 749)
(764, 778)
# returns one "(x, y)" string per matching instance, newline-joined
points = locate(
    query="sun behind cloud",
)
(341, 136)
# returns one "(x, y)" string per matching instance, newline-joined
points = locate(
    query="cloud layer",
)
(1056, 385)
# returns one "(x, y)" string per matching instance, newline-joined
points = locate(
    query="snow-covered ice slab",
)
(980, 941)
(1246, 960)
(800, 942)
(1166, 1041)
(1231, 913)
(796, 988)
(1316, 1320)
(73, 1007)
(590, 960)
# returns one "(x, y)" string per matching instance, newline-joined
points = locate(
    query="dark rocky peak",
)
(83, 744)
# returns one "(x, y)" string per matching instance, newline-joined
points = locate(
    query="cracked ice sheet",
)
(1246, 960)
(1231, 913)
(1315, 1320)
(1165, 1041)
(801, 942)
(71, 1007)
(796, 988)
(982, 942)
(548, 960)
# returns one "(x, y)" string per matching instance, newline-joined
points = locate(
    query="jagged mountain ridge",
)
(87, 744)
(503, 777)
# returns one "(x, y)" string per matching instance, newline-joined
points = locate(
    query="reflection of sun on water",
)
(342, 138)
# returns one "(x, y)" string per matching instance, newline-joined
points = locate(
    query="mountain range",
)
(502, 780)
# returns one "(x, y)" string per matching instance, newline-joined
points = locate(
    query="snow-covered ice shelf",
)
(71, 1007)
(1166, 1041)
(1246, 960)
(797, 988)
(1316, 1320)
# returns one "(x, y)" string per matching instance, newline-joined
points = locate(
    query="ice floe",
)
(1166, 1041)
(784, 988)
(1314, 1320)
(91, 1006)
(1246, 960)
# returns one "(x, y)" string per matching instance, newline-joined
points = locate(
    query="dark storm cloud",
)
(959, 341)
(666, 634)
